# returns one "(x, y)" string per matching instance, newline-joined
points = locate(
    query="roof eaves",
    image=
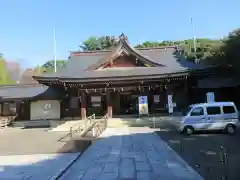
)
(183, 72)
(100, 79)
(37, 78)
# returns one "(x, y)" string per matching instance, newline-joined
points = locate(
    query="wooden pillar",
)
(186, 91)
(83, 105)
(109, 105)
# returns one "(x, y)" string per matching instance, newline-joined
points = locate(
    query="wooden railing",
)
(5, 121)
(80, 127)
(99, 126)
(96, 127)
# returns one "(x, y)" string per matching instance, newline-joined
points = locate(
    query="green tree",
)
(98, 43)
(204, 47)
(49, 66)
(229, 53)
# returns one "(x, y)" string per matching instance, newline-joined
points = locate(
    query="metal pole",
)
(54, 43)
(194, 40)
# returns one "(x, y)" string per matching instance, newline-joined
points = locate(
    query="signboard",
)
(170, 104)
(95, 98)
(143, 105)
(46, 108)
(210, 97)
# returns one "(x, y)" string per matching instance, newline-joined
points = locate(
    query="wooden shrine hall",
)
(111, 81)
(119, 81)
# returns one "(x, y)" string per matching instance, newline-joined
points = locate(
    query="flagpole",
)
(54, 44)
(194, 39)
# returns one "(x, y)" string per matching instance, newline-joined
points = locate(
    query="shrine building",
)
(112, 81)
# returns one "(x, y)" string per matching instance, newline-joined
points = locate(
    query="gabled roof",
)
(164, 60)
(123, 47)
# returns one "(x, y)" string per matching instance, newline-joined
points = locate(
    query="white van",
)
(210, 116)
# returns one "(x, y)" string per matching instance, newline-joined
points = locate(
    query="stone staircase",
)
(65, 126)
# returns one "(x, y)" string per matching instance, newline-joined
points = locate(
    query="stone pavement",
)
(130, 153)
(34, 167)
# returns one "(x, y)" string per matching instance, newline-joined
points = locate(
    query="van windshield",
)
(186, 110)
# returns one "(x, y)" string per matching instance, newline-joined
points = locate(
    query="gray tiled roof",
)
(167, 56)
(85, 60)
(27, 92)
(124, 73)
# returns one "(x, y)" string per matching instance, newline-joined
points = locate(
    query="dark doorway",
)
(96, 104)
(70, 107)
(128, 103)
(157, 100)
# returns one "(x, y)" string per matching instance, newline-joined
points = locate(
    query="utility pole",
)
(54, 44)
(194, 41)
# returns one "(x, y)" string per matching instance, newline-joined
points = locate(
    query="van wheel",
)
(188, 130)
(230, 129)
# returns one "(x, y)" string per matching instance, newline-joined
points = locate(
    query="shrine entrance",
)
(128, 103)
(96, 104)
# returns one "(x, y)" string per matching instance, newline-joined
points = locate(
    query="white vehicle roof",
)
(214, 104)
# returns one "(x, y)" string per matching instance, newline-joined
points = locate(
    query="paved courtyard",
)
(130, 153)
(15, 141)
(214, 155)
(34, 167)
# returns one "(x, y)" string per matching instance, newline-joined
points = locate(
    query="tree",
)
(49, 66)
(98, 43)
(5, 75)
(230, 51)
(204, 47)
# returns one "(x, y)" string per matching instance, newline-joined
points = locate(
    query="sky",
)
(27, 26)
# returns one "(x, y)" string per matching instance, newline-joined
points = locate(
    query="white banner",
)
(143, 104)
(170, 104)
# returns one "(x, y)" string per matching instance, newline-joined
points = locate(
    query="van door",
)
(214, 118)
(197, 118)
(230, 115)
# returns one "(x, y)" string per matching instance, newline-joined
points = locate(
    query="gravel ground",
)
(216, 156)
(15, 141)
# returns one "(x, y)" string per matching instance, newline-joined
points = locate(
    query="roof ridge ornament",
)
(122, 37)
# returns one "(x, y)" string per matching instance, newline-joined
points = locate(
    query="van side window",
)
(228, 109)
(197, 111)
(213, 110)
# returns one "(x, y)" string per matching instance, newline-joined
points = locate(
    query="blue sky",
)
(26, 33)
